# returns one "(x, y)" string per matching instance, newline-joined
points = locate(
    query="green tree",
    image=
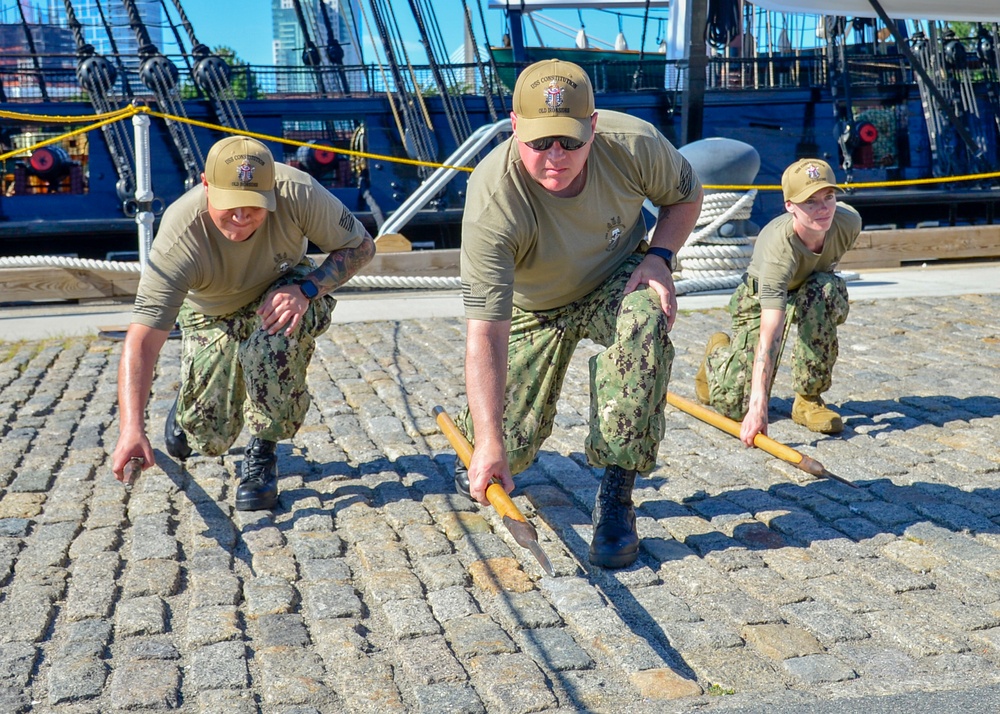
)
(963, 30)
(242, 78)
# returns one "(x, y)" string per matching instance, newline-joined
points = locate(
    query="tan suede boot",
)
(701, 377)
(813, 414)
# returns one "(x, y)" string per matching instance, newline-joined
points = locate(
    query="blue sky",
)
(245, 25)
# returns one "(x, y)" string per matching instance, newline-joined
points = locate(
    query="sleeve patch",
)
(474, 295)
(347, 220)
(685, 182)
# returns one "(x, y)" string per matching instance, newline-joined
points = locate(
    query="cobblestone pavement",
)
(372, 588)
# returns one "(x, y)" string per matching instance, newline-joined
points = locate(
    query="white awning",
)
(958, 11)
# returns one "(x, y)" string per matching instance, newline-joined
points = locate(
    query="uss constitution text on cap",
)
(553, 98)
(240, 173)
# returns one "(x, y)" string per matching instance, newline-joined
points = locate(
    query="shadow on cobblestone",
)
(208, 509)
(905, 412)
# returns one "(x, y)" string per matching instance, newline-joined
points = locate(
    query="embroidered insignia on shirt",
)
(812, 171)
(282, 263)
(244, 172)
(554, 95)
(616, 229)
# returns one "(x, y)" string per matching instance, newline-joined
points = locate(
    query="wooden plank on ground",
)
(892, 248)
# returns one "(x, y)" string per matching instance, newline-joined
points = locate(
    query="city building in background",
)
(105, 25)
(96, 26)
(323, 33)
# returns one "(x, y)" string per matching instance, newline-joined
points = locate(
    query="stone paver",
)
(373, 587)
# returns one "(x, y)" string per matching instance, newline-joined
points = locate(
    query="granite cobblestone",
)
(374, 588)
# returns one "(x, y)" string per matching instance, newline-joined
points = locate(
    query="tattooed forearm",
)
(341, 265)
(764, 362)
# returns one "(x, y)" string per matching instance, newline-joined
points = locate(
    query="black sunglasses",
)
(546, 143)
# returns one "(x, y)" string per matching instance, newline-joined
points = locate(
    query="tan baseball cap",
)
(805, 177)
(240, 174)
(553, 98)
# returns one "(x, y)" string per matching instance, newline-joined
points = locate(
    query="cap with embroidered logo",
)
(240, 174)
(805, 177)
(553, 98)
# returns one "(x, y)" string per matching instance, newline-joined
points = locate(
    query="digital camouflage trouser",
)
(628, 380)
(815, 308)
(233, 372)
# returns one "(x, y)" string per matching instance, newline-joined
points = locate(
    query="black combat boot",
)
(174, 437)
(258, 489)
(462, 479)
(616, 540)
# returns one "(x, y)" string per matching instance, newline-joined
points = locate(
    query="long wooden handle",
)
(761, 441)
(494, 492)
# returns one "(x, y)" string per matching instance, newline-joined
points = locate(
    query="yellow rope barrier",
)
(83, 130)
(65, 119)
(870, 184)
(132, 110)
(292, 142)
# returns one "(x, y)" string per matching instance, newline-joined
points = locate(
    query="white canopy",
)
(957, 10)
(530, 5)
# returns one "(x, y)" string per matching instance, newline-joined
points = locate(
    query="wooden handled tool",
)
(761, 441)
(524, 533)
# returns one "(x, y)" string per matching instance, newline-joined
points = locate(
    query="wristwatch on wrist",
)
(665, 253)
(308, 288)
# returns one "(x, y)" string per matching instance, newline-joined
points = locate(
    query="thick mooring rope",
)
(708, 260)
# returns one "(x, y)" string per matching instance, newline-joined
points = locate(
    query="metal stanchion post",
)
(143, 187)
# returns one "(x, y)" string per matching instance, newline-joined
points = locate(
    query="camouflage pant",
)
(233, 372)
(816, 308)
(628, 380)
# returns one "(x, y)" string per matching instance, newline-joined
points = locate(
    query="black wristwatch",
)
(665, 253)
(309, 289)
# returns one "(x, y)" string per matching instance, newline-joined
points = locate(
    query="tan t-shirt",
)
(190, 259)
(523, 246)
(781, 262)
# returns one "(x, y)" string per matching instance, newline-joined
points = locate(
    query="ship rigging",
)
(888, 97)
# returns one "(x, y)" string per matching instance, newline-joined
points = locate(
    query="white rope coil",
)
(701, 265)
(738, 210)
(709, 261)
(743, 249)
(706, 283)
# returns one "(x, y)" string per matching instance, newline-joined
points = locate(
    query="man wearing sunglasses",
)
(554, 251)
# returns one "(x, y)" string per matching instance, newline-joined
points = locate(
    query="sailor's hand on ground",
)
(283, 309)
(654, 273)
(487, 465)
(755, 422)
(131, 446)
